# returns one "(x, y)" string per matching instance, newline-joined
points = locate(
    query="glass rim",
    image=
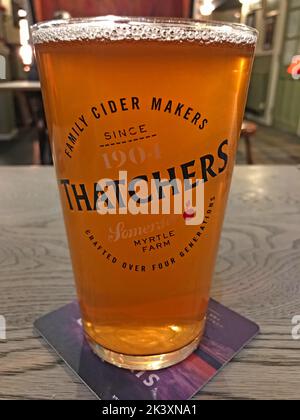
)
(116, 28)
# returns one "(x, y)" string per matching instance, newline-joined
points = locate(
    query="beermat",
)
(227, 333)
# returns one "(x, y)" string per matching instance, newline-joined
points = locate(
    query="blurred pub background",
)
(271, 131)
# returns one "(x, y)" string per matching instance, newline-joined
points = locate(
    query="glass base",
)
(145, 363)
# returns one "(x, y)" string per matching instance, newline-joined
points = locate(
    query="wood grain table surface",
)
(258, 275)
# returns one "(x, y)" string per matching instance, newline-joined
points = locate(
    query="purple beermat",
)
(227, 333)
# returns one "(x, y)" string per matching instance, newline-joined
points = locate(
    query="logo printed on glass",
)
(2, 68)
(153, 199)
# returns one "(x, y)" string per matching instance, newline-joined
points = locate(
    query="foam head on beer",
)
(163, 101)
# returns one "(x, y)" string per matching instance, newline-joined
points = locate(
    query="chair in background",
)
(249, 130)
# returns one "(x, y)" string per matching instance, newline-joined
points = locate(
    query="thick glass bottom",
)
(145, 363)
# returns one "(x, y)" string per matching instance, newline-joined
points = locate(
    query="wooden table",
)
(258, 274)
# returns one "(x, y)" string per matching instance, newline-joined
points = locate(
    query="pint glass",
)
(133, 103)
